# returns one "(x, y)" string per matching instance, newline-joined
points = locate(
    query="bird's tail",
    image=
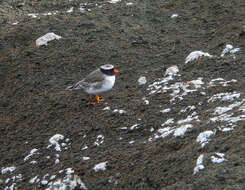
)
(76, 86)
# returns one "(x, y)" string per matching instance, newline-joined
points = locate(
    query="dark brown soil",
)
(140, 40)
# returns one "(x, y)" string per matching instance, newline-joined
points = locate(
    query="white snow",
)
(169, 121)
(142, 80)
(33, 15)
(7, 180)
(156, 87)
(189, 118)
(180, 131)
(220, 81)
(107, 108)
(188, 108)
(227, 96)
(119, 111)
(227, 118)
(131, 142)
(47, 38)
(32, 152)
(33, 162)
(229, 49)
(82, 8)
(165, 110)
(69, 171)
(52, 177)
(57, 161)
(146, 102)
(99, 140)
(54, 140)
(195, 55)
(135, 126)
(175, 15)
(84, 147)
(222, 110)
(86, 158)
(34, 179)
(129, 3)
(8, 169)
(204, 137)
(70, 10)
(199, 164)
(44, 182)
(68, 182)
(164, 132)
(218, 158)
(114, 1)
(233, 51)
(101, 166)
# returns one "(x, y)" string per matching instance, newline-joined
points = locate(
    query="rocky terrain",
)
(174, 119)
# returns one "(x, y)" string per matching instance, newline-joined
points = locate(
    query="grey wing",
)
(94, 79)
(78, 86)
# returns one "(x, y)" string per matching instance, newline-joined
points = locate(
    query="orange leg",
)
(91, 100)
(99, 99)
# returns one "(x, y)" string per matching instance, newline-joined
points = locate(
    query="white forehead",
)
(107, 67)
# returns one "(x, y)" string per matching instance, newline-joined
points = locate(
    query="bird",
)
(99, 81)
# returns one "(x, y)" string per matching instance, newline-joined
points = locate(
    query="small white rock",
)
(174, 15)
(46, 38)
(101, 166)
(142, 80)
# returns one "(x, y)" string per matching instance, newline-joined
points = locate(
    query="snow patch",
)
(162, 133)
(175, 15)
(199, 164)
(142, 80)
(32, 152)
(85, 147)
(54, 140)
(165, 110)
(180, 131)
(218, 158)
(192, 117)
(114, 1)
(86, 158)
(99, 140)
(204, 137)
(101, 166)
(47, 38)
(135, 126)
(169, 121)
(225, 97)
(70, 182)
(33, 15)
(195, 55)
(70, 10)
(119, 111)
(129, 3)
(222, 110)
(107, 108)
(146, 102)
(229, 49)
(8, 170)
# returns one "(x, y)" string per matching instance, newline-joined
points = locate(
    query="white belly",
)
(107, 85)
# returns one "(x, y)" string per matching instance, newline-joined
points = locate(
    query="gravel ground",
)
(182, 129)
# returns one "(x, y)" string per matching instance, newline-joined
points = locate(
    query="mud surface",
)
(140, 39)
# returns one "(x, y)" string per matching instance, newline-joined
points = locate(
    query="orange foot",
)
(91, 100)
(99, 99)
